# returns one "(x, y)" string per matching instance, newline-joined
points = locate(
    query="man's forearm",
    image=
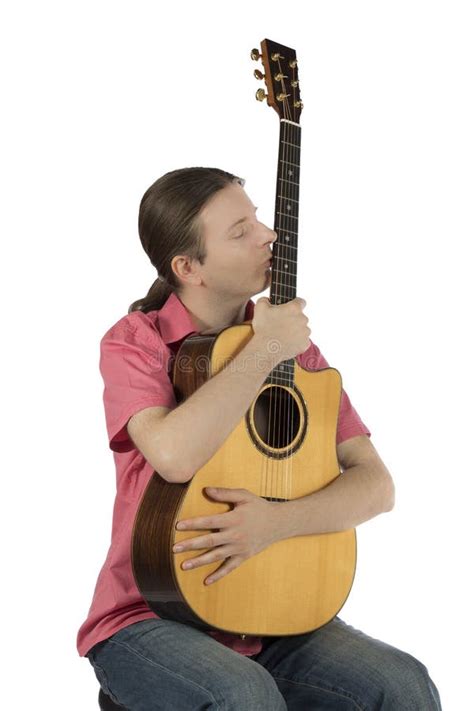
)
(360, 493)
(193, 432)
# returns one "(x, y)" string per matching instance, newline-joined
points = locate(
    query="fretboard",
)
(285, 247)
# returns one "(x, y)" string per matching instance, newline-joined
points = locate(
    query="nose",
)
(268, 235)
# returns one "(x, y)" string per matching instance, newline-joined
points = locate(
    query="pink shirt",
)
(136, 357)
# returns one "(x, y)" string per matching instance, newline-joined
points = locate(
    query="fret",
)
(283, 271)
(297, 165)
(292, 182)
(280, 380)
(282, 259)
(285, 214)
(295, 145)
(283, 373)
(293, 123)
(284, 366)
(285, 245)
(282, 229)
(280, 301)
(281, 296)
(280, 283)
(283, 197)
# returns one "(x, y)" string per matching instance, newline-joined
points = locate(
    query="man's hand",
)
(248, 528)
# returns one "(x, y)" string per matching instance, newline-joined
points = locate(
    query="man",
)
(141, 660)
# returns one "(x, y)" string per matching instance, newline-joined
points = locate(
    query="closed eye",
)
(243, 232)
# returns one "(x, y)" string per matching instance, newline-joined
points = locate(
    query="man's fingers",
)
(211, 557)
(194, 524)
(229, 565)
(197, 543)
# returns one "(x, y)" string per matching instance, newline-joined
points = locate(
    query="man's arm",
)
(178, 442)
(364, 490)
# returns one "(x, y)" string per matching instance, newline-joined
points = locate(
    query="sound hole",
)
(276, 417)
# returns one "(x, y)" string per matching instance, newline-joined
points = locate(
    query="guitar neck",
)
(281, 79)
(285, 248)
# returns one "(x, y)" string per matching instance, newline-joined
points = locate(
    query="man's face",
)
(237, 254)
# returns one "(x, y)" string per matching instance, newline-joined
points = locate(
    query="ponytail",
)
(155, 299)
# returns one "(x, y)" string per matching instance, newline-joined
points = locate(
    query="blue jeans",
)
(162, 664)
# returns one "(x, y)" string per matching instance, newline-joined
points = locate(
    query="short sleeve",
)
(134, 364)
(349, 423)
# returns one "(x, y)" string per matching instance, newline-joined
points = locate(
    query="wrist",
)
(267, 353)
(285, 518)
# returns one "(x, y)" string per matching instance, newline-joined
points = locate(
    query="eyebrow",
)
(242, 219)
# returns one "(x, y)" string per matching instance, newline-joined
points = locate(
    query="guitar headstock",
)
(281, 77)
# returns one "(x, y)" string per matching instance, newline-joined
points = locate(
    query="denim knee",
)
(408, 685)
(256, 691)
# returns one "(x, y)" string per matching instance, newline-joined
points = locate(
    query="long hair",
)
(168, 225)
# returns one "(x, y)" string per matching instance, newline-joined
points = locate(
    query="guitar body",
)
(295, 585)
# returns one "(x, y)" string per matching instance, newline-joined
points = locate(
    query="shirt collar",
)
(175, 321)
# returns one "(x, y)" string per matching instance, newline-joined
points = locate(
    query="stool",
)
(106, 703)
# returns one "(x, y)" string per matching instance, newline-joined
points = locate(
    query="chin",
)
(264, 287)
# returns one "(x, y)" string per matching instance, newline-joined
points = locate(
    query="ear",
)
(186, 269)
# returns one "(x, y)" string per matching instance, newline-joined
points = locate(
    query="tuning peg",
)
(255, 55)
(258, 74)
(260, 94)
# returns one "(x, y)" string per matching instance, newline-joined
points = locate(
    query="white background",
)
(99, 100)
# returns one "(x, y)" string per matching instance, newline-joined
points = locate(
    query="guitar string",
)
(292, 152)
(277, 389)
(295, 134)
(285, 416)
(295, 154)
(271, 423)
(291, 277)
(289, 394)
(268, 462)
(284, 393)
(277, 392)
(283, 489)
(273, 400)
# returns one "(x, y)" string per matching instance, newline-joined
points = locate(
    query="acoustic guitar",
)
(283, 449)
